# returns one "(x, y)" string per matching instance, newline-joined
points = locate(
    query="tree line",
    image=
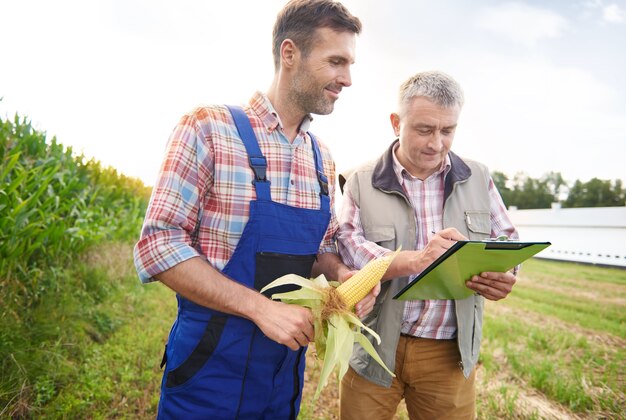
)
(525, 192)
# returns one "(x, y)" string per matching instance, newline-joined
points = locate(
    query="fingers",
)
(346, 275)
(451, 234)
(366, 305)
(290, 325)
(492, 286)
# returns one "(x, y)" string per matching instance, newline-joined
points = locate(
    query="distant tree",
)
(528, 193)
(534, 194)
(619, 193)
(595, 193)
(555, 184)
(525, 192)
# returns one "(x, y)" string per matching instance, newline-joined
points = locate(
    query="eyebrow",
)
(422, 125)
(340, 58)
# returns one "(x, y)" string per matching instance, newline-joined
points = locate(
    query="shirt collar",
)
(402, 173)
(264, 109)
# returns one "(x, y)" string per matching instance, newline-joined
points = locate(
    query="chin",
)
(324, 110)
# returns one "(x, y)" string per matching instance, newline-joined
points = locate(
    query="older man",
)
(416, 188)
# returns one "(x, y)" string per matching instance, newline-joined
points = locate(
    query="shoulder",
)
(353, 175)
(208, 115)
(476, 168)
(208, 121)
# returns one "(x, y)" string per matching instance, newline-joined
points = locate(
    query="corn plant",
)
(54, 205)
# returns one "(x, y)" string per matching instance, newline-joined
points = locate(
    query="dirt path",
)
(529, 403)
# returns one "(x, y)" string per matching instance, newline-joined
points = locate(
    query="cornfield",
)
(54, 205)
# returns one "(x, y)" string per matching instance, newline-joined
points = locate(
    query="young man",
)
(245, 195)
(419, 187)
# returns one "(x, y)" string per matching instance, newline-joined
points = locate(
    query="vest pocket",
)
(478, 224)
(199, 355)
(272, 265)
(384, 236)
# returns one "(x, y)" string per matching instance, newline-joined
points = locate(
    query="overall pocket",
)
(202, 351)
(272, 265)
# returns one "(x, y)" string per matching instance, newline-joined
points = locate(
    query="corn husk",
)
(337, 328)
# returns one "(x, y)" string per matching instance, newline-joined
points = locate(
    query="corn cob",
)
(359, 285)
(336, 326)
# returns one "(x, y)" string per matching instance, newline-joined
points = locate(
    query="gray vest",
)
(388, 219)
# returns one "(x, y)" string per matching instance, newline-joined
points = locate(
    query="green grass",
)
(59, 293)
(563, 272)
(99, 355)
(93, 346)
(120, 377)
(568, 348)
(587, 314)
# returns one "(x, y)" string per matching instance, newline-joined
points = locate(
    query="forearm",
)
(414, 262)
(406, 263)
(331, 266)
(197, 281)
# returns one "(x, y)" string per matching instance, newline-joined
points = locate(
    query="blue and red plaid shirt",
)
(200, 202)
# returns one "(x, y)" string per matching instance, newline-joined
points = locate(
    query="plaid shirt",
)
(200, 202)
(422, 318)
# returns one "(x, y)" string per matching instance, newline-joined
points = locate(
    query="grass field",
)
(554, 349)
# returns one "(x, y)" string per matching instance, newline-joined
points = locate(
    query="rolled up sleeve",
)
(172, 217)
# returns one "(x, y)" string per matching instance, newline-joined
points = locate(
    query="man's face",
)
(426, 131)
(321, 75)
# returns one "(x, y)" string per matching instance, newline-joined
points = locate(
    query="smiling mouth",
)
(334, 91)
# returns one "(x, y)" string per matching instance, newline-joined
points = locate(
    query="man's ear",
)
(288, 53)
(395, 123)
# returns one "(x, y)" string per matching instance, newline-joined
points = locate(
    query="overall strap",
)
(321, 178)
(257, 161)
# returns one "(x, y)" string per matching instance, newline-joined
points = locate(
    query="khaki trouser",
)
(428, 377)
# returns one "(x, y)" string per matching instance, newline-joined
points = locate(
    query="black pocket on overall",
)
(272, 265)
(199, 355)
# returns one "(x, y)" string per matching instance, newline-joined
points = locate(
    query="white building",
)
(594, 235)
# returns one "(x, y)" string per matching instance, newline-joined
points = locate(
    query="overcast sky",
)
(544, 81)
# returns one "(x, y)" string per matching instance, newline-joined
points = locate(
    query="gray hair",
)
(434, 85)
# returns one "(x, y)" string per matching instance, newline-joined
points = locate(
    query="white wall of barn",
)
(590, 235)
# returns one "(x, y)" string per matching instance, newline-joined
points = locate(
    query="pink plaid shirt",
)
(422, 318)
(200, 202)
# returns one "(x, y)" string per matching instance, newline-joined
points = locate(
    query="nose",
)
(436, 141)
(345, 78)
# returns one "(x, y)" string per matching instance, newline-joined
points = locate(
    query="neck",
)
(290, 115)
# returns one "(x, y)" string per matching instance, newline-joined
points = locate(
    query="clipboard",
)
(445, 278)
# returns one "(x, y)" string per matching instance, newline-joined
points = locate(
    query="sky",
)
(544, 81)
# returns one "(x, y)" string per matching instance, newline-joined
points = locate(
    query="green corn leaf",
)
(330, 359)
(299, 294)
(321, 281)
(306, 303)
(356, 321)
(291, 279)
(345, 344)
(369, 348)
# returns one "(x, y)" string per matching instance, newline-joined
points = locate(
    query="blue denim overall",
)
(221, 366)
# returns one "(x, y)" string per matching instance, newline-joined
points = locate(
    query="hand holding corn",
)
(337, 328)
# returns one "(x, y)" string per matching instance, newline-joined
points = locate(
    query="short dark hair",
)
(299, 19)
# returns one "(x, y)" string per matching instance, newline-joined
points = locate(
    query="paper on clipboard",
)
(445, 278)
